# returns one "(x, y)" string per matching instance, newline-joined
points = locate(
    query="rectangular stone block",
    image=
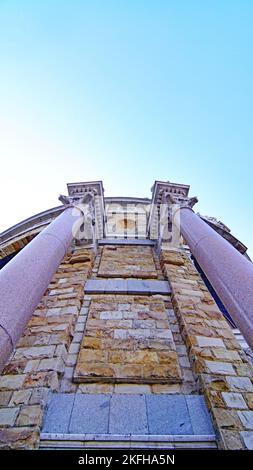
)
(30, 416)
(246, 418)
(168, 414)
(59, 411)
(247, 437)
(222, 368)
(11, 382)
(5, 398)
(20, 397)
(128, 415)
(240, 384)
(90, 414)
(35, 352)
(204, 341)
(199, 415)
(234, 400)
(8, 416)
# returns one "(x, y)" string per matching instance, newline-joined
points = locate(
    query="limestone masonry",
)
(128, 345)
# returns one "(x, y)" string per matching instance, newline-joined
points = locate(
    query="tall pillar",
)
(25, 278)
(229, 272)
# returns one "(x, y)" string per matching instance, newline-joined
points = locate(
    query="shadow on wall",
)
(213, 293)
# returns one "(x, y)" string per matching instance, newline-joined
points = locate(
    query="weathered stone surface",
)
(8, 416)
(35, 352)
(42, 379)
(231, 440)
(240, 384)
(218, 360)
(204, 341)
(15, 367)
(226, 419)
(234, 400)
(247, 438)
(20, 397)
(246, 418)
(125, 261)
(90, 414)
(168, 414)
(30, 416)
(122, 342)
(222, 368)
(5, 398)
(19, 438)
(11, 382)
(128, 415)
(249, 399)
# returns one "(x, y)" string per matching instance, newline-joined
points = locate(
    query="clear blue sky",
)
(127, 92)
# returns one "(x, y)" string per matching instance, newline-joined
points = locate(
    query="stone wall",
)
(224, 373)
(77, 343)
(127, 261)
(127, 339)
(39, 359)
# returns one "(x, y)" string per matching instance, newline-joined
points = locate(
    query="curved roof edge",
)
(32, 222)
(31, 226)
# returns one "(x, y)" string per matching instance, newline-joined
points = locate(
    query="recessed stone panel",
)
(127, 339)
(127, 261)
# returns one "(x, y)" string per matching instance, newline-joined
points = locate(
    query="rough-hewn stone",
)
(223, 371)
(134, 356)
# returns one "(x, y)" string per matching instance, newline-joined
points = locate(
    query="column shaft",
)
(229, 272)
(25, 278)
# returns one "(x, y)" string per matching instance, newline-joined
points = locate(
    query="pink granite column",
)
(229, 272)
(25, 278)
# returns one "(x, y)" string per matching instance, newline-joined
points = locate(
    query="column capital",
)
(84, 203)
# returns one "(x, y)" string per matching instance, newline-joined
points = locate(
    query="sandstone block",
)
(95, 388)
(11, 382)
(30, 416)
(231, 440)
(234, 400)
(5, 398)
(35, 352)
(249, 399)
(246, 418)
(204, 341)
(247, 437)
(20, 397)
(19, 438)
(222, 368)
(8, 416)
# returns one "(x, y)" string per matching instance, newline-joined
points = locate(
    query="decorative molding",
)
(165, 196)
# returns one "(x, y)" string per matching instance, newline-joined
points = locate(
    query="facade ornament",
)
(85, 203)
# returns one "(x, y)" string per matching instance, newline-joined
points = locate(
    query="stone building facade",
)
(127, 345)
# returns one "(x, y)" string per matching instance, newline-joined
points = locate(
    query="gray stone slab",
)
(90, 414)
(128, 415)
(59, 412)
(138, 286)
(116, 285)
(125, 241)
(94, 286)
(123, 286)
(168, 414)
(159, 287)
(199, 415)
